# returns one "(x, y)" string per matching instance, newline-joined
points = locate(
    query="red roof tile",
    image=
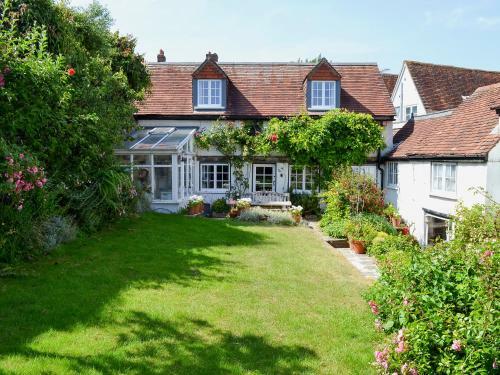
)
(390, 81)
(441, 87)
(464, 132)
(263, 90)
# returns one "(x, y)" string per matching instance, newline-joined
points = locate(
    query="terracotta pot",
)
(297, 218)
(196, 209)
(357, 246)
(234, 214)
(396, 221)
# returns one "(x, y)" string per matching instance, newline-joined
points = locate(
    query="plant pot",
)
(297, 218)
(396, 221)
(196, 209)
(234, 214)
(357, 246)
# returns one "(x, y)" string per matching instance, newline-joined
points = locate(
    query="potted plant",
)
(234, 212)
(195, 204)
(354, 232)
(391, 212)
(220, 208)
(296, 212)
(243, 203)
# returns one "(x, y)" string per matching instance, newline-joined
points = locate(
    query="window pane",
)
(163, 159)
(142, 177)
(163, 183)
(123, 159)
(436, 229)
(141, 159)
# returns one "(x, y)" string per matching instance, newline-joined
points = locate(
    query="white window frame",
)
(209, 96)
(254, 184)
(215, 189)
(413, 110)
(449, 231)
(302, 180)
(398, 112)
(392, 174)
(322, 90)
(442, 169)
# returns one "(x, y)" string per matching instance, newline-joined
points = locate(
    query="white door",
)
(264, 177)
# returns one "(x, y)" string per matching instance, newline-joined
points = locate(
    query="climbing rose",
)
(456, 346)
(71, 72)
(406, 302)
(273, 137)
(21, 156)
(9, 159)
(405, 231)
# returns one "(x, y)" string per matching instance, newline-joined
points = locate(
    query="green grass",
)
(177, 295)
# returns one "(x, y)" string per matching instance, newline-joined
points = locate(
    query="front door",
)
(264, 177)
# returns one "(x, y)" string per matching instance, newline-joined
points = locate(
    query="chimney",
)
(212, 56)
(161, 56)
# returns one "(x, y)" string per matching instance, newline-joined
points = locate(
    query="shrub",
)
(477, 223)
(379, 223)
(336, 229)
(220, 206)
(440, 305)
(258, 214)
(56, 230)
(350, 194)
(243, 203)
(384, 243)
(309, 203)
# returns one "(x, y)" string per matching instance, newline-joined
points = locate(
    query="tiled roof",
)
(390, 81)
(263, 90)
(464, 132)
(442, 87)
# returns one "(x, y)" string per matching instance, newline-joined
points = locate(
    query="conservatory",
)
(161, 161)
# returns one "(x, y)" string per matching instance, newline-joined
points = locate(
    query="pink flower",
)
(44, 180)
(456, 346)
(28, 186)
(413, 371)
(19, 186)
(39, 183)
(374, 307)
(33, 170)
(21, 156)
(273, 137)
(17, 175)
(401, 347)
(378, 325)
(406, 302)
(382, 358)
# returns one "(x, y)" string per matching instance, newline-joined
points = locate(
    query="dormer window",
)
(323, 94)
(209, 93)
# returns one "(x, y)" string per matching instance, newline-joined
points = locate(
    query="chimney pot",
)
(161, 56)
(212, 56)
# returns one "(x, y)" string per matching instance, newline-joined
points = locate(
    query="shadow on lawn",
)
(77, 281)
(155, 346)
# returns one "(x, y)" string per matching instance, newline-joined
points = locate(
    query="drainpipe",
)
(380, 169)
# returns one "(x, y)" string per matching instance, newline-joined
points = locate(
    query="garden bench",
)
(270, 199)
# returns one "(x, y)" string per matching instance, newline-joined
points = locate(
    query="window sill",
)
(197, 108)
(393, 187)
(444, 195)
(320, 109)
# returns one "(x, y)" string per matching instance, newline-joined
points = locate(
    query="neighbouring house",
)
(440, 158)
(423, 88)
(186, 97)
(390, 81)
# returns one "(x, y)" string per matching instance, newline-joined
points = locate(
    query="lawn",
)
(178, 295)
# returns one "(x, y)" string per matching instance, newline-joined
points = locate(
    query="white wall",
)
(414, 191)
(405, 94)
(493, 178)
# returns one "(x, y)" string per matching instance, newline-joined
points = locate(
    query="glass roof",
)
(166, 138)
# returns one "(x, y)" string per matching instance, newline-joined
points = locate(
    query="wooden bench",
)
(270, 199)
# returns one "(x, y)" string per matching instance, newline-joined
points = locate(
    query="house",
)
(423, 88)
(186, 97)
(440, 158)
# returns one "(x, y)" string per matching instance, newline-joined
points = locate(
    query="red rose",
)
(71, 72)
(405, 231)
(273, 137)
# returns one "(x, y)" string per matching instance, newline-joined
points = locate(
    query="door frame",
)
(254, 180)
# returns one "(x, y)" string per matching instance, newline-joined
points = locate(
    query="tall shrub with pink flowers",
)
(440, 306)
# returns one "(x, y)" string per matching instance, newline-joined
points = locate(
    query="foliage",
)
(68, 87)
(378, 223)
(220, 206)
(477, 223)
(243, 203)
(111, 195)
(296, 210)
(349, 194)
(56, 230)
(309, 203)
(258, 214)
(382, 245)
(238, 144)
(195, 200)
(335, 228)
(440, 305)
(338, 138)
(391, 211)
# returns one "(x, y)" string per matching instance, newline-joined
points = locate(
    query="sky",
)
(461, 33)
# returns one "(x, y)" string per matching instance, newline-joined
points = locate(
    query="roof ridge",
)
(450, 66)
(486, 88)
(262, 63)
